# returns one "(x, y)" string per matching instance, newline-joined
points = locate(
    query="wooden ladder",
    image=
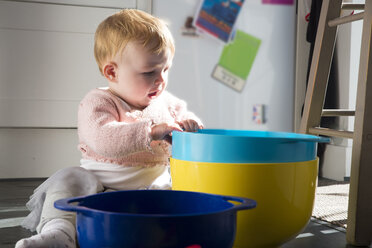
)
(359, 222)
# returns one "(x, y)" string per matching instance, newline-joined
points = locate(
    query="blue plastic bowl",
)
(244, 146)
(155, 218)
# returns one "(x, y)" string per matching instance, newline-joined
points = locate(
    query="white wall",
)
(270, 82)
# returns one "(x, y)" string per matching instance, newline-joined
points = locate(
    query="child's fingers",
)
(187, 126)
(175, 127)
(194, 126)
(159, 131)
(180, 123)
(168, 138)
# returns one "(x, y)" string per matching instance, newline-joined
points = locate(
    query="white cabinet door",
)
(91, 3)
(46, 62)
(37, 153)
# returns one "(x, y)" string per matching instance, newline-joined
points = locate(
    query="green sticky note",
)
(238, 56)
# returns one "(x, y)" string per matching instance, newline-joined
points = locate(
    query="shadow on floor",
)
(15, 193)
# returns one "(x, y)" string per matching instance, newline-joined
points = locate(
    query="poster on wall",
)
(236, 60)
(218, 17)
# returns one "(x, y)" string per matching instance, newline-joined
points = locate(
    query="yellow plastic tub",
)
(284, 193)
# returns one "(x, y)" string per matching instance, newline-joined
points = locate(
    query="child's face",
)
(140, 75)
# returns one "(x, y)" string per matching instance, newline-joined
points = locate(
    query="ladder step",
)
(338, 112)
(331, 132)
(353, 6)
(345, 19)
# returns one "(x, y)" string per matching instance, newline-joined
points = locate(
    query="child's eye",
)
(149, 73)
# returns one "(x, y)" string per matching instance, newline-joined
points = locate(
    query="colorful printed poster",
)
(258, 114)
(218, 17)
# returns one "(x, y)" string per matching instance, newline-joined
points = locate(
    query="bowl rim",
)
(88, 211)
(254, 134)
(315, 160)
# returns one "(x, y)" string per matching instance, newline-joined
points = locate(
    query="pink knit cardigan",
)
(110, 131)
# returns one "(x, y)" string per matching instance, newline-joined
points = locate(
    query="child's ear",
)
(110, 72)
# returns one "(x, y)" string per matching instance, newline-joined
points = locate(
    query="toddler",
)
(124, 129)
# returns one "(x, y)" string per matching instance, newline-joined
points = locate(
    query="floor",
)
(14, 194)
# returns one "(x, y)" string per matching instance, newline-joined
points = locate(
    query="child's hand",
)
(163, 131)
(190, 125)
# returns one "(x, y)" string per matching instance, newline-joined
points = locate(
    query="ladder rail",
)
(345, 19)
(359, 228)
(353, 6)
(320, 66)
(331, 132)
(337, 112)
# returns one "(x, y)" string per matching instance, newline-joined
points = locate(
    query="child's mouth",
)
(153, 94)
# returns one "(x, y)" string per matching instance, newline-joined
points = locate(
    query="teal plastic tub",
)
(244, 146)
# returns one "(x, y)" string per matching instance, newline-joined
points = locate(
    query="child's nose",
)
(160, 78)
(158, 81)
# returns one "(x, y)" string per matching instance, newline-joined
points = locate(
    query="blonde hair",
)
(114, 33)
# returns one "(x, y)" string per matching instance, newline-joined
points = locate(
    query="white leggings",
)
(116, 177)
(90, 178)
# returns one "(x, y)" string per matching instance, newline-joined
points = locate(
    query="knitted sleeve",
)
(180, 111)
(100, 128)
